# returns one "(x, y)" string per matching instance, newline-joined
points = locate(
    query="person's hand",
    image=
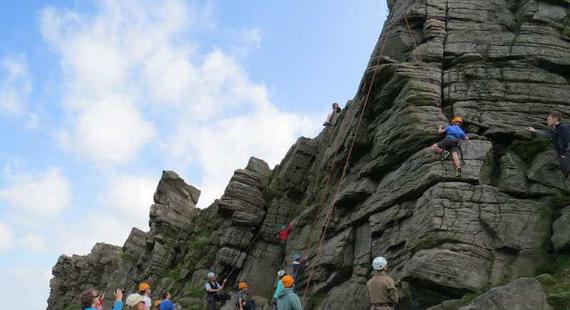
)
(531, 129)
(119, 294)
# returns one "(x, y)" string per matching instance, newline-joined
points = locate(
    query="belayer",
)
(450, 143)
(382, 290)
(559, 133)
(214, 292)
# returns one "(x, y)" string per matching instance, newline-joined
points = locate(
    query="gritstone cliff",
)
(502, 65)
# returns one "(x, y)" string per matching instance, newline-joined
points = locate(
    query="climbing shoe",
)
(445, 155)
(458, 172)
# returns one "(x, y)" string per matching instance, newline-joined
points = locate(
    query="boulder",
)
(521, 294)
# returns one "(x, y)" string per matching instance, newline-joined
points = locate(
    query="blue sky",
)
(98, 97)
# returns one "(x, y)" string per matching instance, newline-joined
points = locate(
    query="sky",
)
(97, 98)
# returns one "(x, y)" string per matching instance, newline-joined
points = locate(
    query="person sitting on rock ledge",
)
(333, 116)
(559, 133)
(90, 300)
(382, 291)
(214, 291)
(450, 143)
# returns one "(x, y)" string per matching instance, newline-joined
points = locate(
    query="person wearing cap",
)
(450, 143)
(214, 291)
(144, 291)
(278, 289)
(287, 299)
(245, 301)
(135, 302)
(166, 303)
(298, 267)
(382, 291)
(90, 300)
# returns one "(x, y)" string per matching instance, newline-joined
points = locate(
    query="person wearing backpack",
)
(214, 292)
(450, 143)
(559, 134)
(245, 300)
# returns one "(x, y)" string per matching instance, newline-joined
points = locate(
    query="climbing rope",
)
(328, 217)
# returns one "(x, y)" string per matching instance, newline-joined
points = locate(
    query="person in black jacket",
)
(559, 133)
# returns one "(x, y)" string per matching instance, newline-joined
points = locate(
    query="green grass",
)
(527, 150)
(558, 285)
(560, 201)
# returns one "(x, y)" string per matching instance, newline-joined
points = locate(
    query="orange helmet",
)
(287, 281)
(157, 303)
(457, 119)
(143, 286)
(242, 285)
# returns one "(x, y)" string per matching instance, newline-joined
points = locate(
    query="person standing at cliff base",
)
(559, 133)
(90, 300)
(144, 291)
(214, 291)
(287, 299)
(450, 143)
(278, 289)
(135, 302)
(382, 290)
(166, 302)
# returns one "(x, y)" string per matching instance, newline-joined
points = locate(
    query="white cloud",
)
(42, 194)
(6, 237)
(34, 243)
(15, 90)
(130, 197)
(134, 76)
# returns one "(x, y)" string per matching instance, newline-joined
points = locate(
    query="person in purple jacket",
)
(450, 143)
(90, 300)
(166, 303)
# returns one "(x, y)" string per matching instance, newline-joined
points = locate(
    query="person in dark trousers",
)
(297, 268)
(333, 116)
(559, 133)
(214, 292)
(166, 302)
(245, 300)
(450, 143)
(90, 300)
(382, 291)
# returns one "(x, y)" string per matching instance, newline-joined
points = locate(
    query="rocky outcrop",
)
(370, 186)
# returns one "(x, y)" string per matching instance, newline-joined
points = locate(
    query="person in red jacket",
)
(285, 230)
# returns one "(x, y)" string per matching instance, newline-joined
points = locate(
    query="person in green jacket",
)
(278, 289)
(287, 299)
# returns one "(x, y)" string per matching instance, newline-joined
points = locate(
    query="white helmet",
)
(281, 273)
(211, 274)
(379, 263)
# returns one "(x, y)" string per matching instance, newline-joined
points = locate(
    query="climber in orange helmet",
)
(450, 143)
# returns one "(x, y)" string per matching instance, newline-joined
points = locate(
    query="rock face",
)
(522, 294)
(500, 64)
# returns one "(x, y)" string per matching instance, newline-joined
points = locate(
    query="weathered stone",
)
(513, 175)
(561, 231)
(522, 294)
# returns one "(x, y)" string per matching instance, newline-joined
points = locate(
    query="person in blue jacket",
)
(90, 300)
(450, 143)
(278, 289)
(166, 303)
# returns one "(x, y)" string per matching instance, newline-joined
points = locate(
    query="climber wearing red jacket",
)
(285, 230)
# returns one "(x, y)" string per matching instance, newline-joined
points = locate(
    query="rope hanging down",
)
(347, 162)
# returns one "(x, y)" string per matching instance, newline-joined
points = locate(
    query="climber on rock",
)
(297, 268)
(244, 299)
(285, 230)
(144, 291)
(559, 133)
(278, 288)
(287, 299)
(90, 300)
(382, 291)
(166, 302)
(450, 143)
(333, 116)
(214, 292)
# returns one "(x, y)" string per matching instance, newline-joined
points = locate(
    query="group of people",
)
(93, 300)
